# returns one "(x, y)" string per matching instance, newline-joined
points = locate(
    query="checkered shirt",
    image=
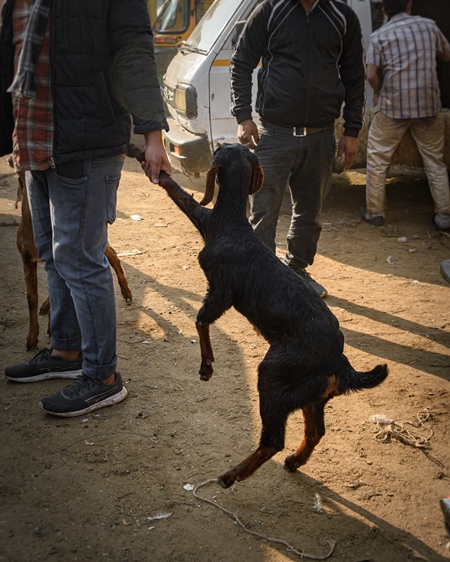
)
(405, 51)
(33, 133)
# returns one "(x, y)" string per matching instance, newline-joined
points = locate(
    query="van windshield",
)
(173, 17)
(211, 25)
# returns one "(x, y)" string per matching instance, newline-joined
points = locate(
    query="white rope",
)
(290, 548)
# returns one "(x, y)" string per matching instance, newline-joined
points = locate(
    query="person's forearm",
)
(374, 83)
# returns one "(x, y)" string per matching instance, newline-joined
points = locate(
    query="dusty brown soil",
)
(111, 486)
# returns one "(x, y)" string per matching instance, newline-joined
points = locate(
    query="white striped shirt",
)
(405, 51)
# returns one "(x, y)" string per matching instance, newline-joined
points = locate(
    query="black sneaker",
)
(45, 366)
(83, 396)
(320, 289)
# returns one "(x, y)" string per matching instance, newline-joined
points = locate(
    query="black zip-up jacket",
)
(103, 70)
(311, 64)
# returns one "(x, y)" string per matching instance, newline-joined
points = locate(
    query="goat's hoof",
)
(227, 479)
(127, 296)
(206, 373)
(290, 464)
(222, 483)
(32, 343)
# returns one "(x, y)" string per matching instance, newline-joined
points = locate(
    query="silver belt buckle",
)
(302, 134)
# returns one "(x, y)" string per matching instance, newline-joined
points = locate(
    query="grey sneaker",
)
(441, 222)
(84, 396)
(445, 506)
(45, 366)
(320, 289)
(445, 270)
(375, 220)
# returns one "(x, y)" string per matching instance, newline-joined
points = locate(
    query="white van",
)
(197, 83)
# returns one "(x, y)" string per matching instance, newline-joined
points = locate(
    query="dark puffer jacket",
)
(311, 64)
(103, 70)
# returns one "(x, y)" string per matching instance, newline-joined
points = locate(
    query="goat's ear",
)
(210, 181)
(257, 179)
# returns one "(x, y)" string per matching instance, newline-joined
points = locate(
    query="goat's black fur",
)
(305, 365)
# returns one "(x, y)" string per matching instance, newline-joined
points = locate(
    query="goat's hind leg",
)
(31, 284)
(314, 424)
(274, 411)
(272, 441)
(314, 428)
(116, 264)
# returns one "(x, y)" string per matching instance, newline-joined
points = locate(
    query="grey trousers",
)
(305, 165)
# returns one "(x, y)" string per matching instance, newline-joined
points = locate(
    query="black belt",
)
(297, 131)
(305, 131)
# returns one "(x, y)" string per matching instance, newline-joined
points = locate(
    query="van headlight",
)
(186, 100)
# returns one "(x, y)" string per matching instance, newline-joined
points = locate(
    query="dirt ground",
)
(117, 485)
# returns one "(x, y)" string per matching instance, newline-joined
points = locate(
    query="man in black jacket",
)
(312, 62)
(81, 70)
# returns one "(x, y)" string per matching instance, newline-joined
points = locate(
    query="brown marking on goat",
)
(331, 389)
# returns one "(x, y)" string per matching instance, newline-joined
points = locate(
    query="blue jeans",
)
(305, 164)
(70, 224)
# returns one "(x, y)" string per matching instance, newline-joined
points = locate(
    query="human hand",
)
(347, 152)
(248, 133)
(156, 159)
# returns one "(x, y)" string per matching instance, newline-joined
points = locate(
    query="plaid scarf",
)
(24, 83)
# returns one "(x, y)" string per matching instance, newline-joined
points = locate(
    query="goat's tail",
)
(352, 381)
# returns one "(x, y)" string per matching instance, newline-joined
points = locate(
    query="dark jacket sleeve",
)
(249, 50)
(134, 68)
(353, 75)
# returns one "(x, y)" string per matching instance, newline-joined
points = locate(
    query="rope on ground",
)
(289, 547)
(390, 429)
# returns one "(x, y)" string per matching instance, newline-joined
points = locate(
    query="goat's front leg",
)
(206, 369)
(214, 305)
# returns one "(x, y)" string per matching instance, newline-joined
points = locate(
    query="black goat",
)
(305, 365)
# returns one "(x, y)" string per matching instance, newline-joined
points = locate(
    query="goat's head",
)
(224, 157)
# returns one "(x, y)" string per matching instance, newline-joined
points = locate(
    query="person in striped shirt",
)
(401, 69)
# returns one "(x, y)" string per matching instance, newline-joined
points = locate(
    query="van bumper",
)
(188, 153)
